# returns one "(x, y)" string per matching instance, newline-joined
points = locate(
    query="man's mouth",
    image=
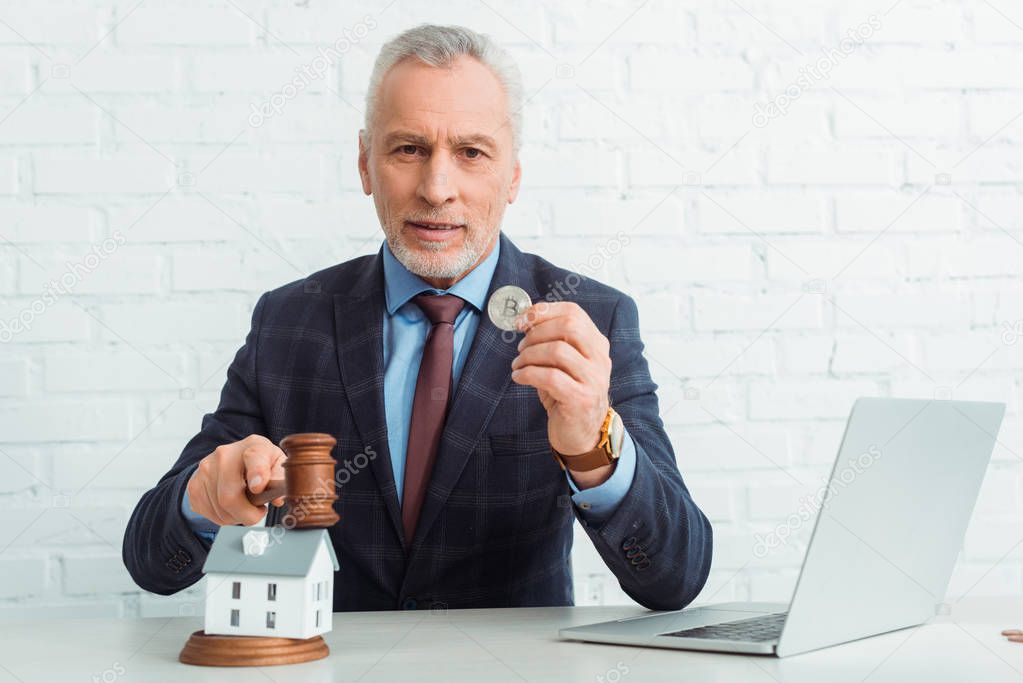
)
(434, 226)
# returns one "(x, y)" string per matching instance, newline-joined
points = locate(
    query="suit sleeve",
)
(160, 550)
(657, 542)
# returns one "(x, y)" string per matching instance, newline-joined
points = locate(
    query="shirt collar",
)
(400, 284)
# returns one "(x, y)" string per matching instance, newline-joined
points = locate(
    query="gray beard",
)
(430, 266)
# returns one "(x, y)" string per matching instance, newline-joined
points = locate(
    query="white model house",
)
(270, 582)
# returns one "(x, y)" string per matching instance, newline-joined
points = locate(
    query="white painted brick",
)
(672, 261)
(931, 309)
(997, 23)
(13, 377)
(691, 167)
(180, 26)
(229, 269)
(998, 165)
(280, 217)
(803, 261)
(265, 74)
(984, 257)
(104, 72)
(858, 353)
(14, 72)
(979, 68)
(30, 320)
(23, 577)
(46, 224)
(185, 219)
(96, 574)
(147, 174)
(913, 25)
(121, 371)
(806, 354)
(36, 25)
(687, 357)
(891, 211)
(50, 122)
(117, 270)
(137, 467)
(571, 165)
(233, 173)
(728, 311)
(752, 214)
(653, 215)
(792, 399)
(649, 68)
(8, 175)
(732, 446)
(178, 320)
(841, 166)
(62, 420)
(925, 115)
(142, 123)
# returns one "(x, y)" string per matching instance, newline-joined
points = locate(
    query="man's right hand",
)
(216, 489)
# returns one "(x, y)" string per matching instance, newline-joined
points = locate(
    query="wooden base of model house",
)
(218, 650)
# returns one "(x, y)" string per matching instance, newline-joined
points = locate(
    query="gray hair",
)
(439, 46)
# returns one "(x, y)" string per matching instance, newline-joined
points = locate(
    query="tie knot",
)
(440, 308)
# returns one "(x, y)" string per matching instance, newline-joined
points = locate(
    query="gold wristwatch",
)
(612, 435)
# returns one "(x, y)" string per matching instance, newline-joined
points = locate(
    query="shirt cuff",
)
(599, 502)
(200, 525)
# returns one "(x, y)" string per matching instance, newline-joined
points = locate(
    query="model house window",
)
(317, 618)
(271, 591)
(271, 619)
(236, 590)
(234, 617)
(319, 590)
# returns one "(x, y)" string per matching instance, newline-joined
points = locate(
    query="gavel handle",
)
(275, 489)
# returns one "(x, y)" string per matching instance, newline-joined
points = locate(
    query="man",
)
(464, 451)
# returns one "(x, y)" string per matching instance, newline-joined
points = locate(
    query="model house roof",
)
(273, 551)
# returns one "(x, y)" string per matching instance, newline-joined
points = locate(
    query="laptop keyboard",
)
(756, 630)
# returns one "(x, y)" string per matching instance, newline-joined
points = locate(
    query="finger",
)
(579, 332)
(556, 354)
(1012, 632)
(277, 502)
(258, 459)
(231, 487)
(219, 516)
(540, 312)
(552, 380)
(1015, 639)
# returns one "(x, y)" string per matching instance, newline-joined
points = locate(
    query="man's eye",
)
(408, 149)
(473, 153)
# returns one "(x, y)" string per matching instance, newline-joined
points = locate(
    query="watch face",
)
(616, 434)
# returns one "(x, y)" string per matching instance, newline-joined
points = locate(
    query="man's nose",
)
(437, 186)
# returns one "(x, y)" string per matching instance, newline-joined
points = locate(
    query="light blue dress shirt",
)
(405, 328)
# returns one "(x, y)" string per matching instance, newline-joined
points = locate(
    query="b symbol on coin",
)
(506, 304)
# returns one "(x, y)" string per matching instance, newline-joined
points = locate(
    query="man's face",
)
(441, 152)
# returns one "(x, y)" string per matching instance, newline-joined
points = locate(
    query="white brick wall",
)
(866, 241)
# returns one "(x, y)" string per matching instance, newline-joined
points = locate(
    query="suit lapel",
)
(358, 326)
(484, 378)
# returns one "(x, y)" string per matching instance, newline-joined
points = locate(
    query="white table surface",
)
(511, 645)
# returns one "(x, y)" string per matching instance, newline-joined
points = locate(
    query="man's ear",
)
(364, 163)
(513, 190)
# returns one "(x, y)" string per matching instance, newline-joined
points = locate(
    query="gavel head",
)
(309, 477)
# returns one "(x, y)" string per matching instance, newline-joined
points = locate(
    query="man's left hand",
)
(566, 358)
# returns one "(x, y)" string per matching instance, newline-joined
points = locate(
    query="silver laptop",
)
(890, 524)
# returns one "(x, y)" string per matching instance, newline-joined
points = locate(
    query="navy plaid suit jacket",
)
(496, 525)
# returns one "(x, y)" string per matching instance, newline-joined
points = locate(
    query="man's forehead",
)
(464, 99)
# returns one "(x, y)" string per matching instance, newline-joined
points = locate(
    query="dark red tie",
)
(430, 405)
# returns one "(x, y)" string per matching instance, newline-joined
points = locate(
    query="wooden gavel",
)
(308, 484)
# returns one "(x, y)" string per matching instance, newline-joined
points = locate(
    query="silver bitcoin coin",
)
(506, 303)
